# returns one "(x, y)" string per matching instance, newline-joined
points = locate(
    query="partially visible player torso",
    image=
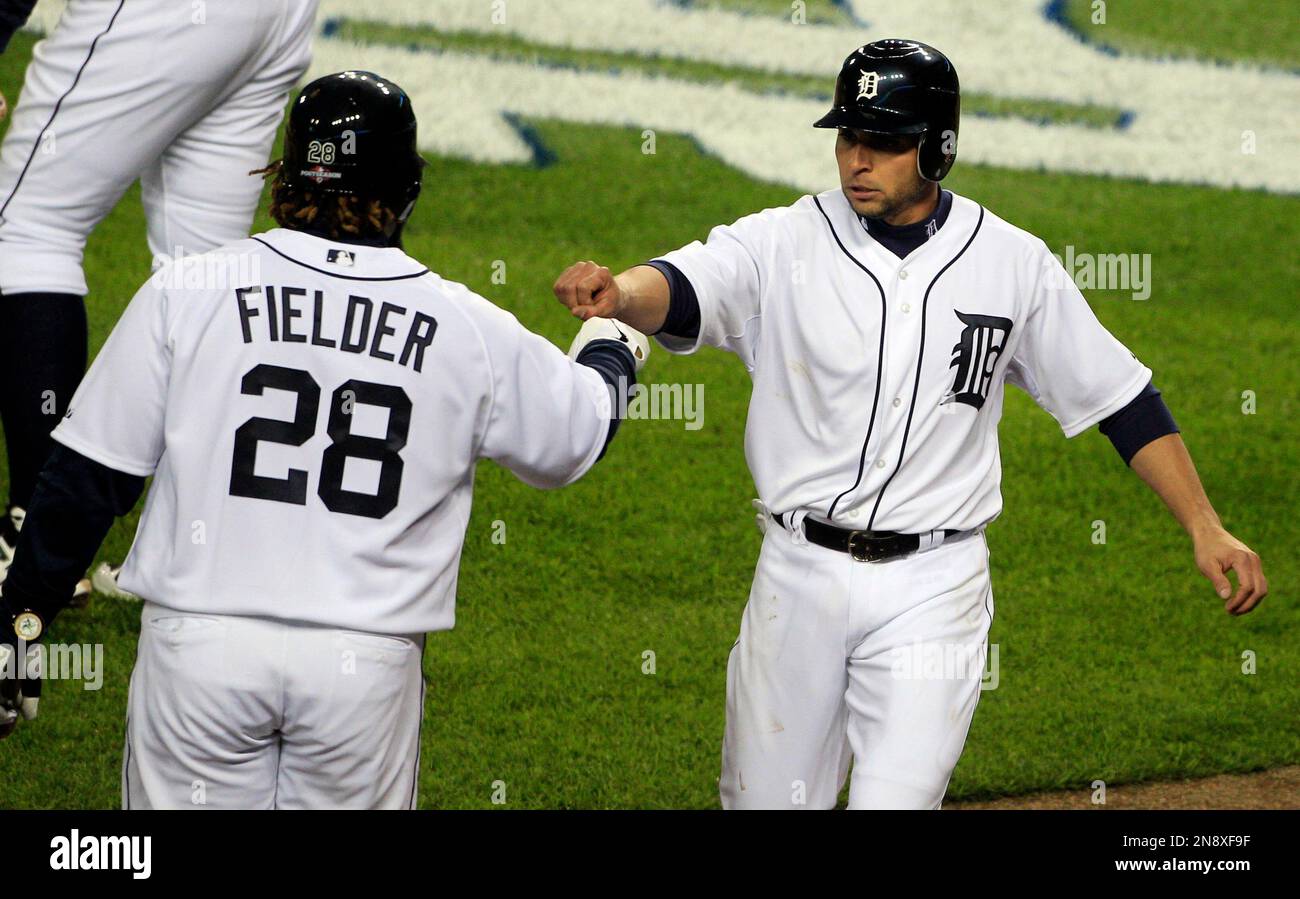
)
(323, 416)
(878, 381)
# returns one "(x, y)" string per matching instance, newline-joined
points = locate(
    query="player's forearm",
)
(75, 503)
(1167, 468)
(617, 368)
(645, 298)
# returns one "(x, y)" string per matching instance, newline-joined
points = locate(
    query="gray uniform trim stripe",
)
(419, 730)
(126, 765)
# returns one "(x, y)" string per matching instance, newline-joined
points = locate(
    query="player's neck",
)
(922, 209)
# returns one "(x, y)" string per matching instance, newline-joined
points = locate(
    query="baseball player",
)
(312, 435)
(184, 96)
(880, 322)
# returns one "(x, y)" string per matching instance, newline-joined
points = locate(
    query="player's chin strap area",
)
(866, 546)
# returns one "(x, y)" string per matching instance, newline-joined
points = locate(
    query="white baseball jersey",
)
(878, 381)
(311, 413)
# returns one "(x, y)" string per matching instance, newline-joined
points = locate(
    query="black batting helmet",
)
(354, 133)
(901, 87)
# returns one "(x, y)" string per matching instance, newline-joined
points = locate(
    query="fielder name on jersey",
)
(287, 315)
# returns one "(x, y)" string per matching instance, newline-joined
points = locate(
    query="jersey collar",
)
(946, 241)
(336, 259)
(895, 237)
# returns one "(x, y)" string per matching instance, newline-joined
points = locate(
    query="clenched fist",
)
(589, 291)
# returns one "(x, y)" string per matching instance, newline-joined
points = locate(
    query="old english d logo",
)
(868, 85)
(976, 353)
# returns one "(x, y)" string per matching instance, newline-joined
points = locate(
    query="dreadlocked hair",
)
(336, 216)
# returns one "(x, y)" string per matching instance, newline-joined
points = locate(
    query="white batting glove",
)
(611, 329)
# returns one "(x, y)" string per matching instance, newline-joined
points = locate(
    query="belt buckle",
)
(864, 548)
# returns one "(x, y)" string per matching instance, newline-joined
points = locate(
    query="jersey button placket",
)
(910, 325)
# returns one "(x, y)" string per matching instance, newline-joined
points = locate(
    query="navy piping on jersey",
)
(880, 360)
(988, 594)
(58, 103)
(920, 357)
(420, 273)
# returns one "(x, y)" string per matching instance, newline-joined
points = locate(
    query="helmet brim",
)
(846, 117)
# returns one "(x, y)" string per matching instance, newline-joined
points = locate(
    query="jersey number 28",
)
(344, 444)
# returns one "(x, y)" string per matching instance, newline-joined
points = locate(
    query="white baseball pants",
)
(247, 713)
(184, 96)
(878, 663)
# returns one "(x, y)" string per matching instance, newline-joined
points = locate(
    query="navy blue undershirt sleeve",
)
(1144, 419)
(683, 318)
(74, 505)
(13, 15)
(614, 363)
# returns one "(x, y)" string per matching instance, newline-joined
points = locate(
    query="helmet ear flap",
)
(932, 162)
(413, 191)
(921, 168)
(411, 197)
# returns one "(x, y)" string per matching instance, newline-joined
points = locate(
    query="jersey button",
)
(897, 402)
(880, 463)
(853, 513)
(902, 276)
(907, 308)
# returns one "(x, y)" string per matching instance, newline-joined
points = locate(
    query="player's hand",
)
(20, 696)
(589, 290)
(4, 107)
(1217, 553)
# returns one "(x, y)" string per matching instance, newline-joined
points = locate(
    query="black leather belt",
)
(863, 546)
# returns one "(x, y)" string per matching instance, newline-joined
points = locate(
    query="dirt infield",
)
(1276, 789)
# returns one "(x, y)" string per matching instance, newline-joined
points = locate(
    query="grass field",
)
(1117, 661)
